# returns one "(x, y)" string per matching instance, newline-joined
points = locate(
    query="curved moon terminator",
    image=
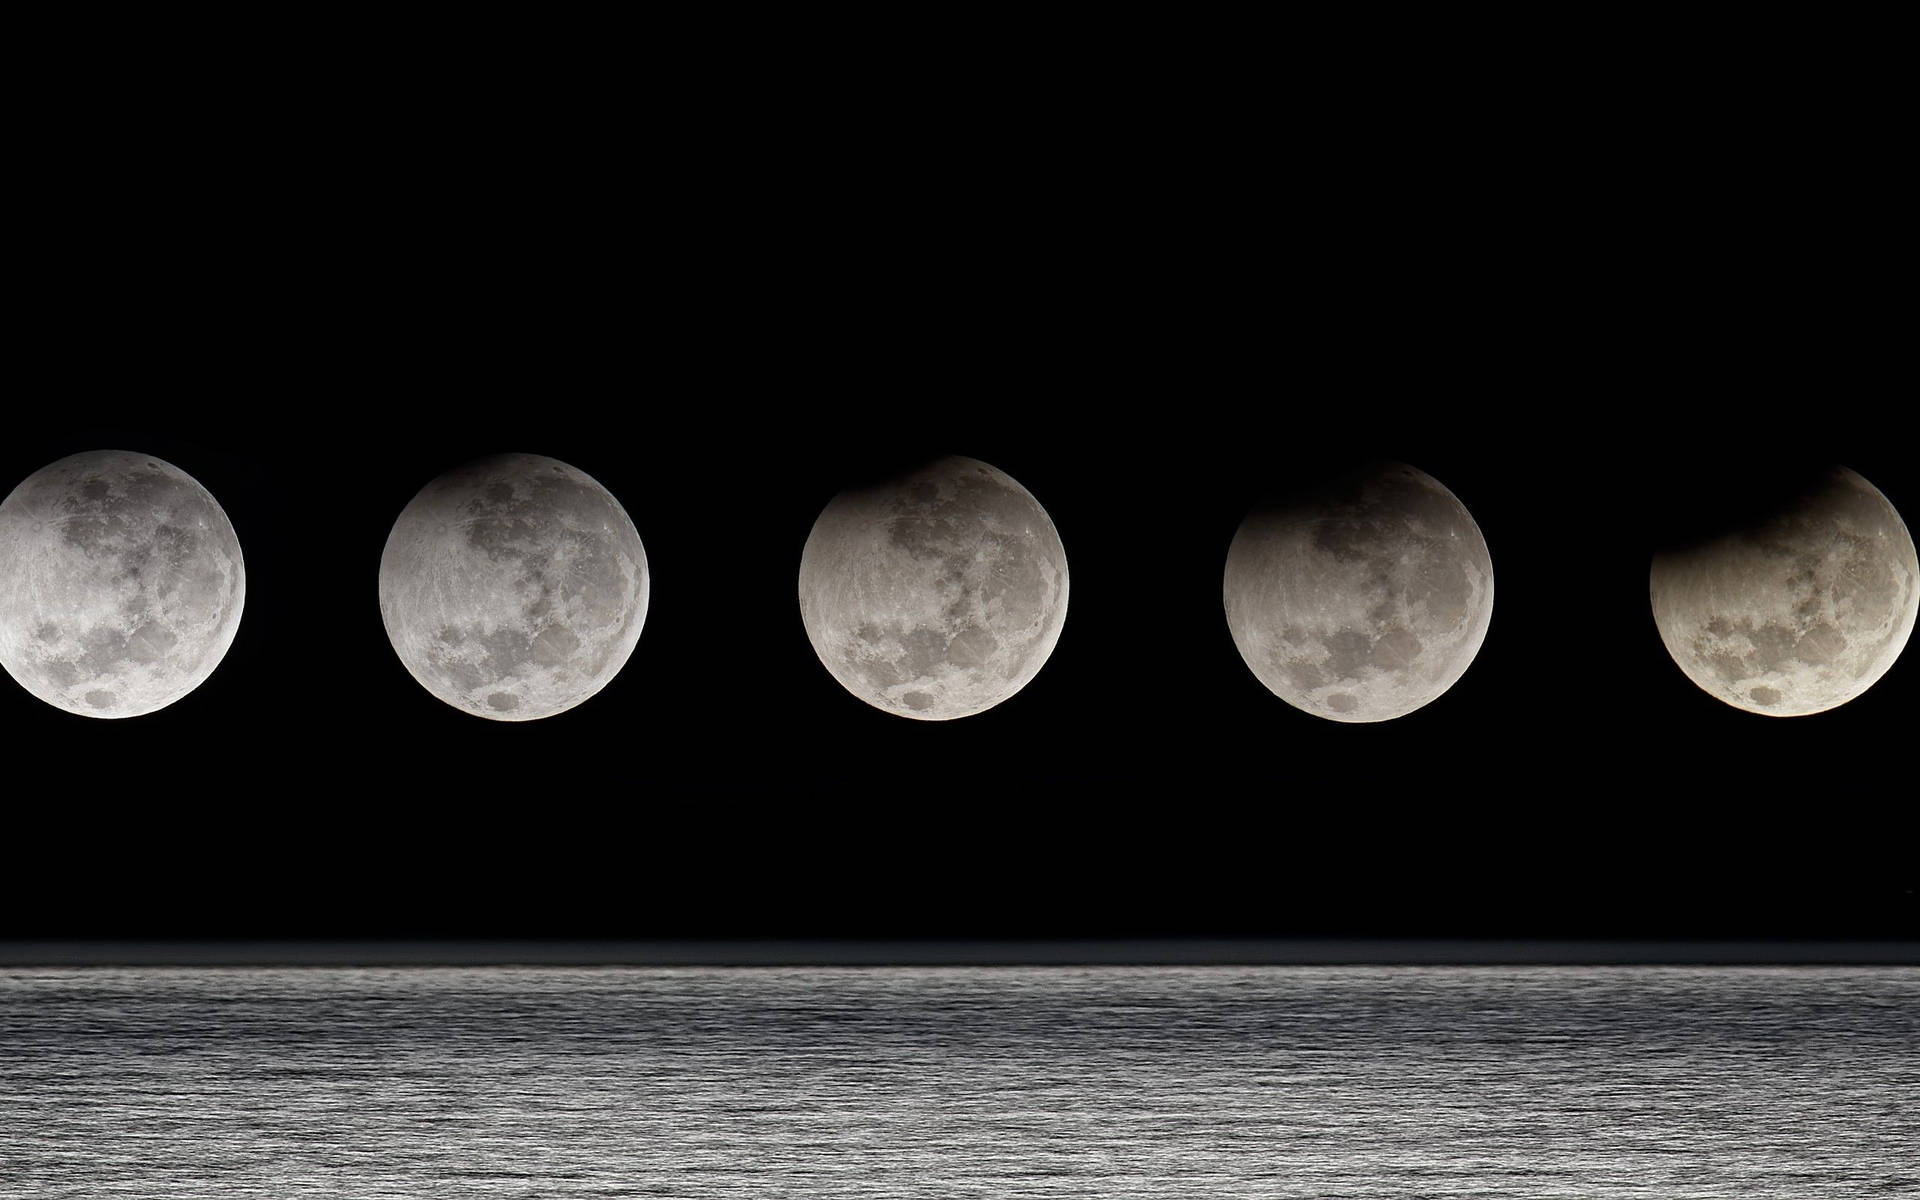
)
(121, 583)
(937, 594)
(1797, 611)
(514, 587)
(1362, 600)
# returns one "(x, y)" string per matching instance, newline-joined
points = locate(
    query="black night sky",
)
(726, 310)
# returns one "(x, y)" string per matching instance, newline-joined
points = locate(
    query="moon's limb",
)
(1363, 602)
(1798, 614)
(937, 595)
(121, 583)
(514, 588)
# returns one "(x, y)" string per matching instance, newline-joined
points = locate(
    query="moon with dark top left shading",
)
(1796, 609)
(121, 584)
(514, 588)
(1362, 599)
(936, 594)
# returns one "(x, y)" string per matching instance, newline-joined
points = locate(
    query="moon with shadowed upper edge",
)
(121, 584)
(936, 594)
(514, 588)
(1798, 611)
(1362, 600)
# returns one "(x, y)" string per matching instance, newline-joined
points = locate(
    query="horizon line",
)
(878, 952)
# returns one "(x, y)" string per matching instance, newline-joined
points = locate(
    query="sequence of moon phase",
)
(515, 588)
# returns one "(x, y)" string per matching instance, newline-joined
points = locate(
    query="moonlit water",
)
(993, 1082)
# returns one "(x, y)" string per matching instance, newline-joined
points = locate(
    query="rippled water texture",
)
(925, 1083)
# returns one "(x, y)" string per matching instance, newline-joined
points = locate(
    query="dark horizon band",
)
(970, 952)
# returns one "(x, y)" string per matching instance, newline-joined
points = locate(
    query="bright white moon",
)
(121, 584)
(1363, 601)
(1799, 613)
(935, 595)
(514, 588)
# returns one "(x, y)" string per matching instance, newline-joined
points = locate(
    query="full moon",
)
(937, 594)
(514, 588)
(121, 584)
(1362, 600)
(1796, 612)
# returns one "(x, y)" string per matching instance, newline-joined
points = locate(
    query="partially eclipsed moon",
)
(121, 584)
(1364, 600)
(514, 588)
(936, 595)
(1800, 611)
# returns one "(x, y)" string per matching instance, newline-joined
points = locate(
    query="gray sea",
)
(1004, 1082)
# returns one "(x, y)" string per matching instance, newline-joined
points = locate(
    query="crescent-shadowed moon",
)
(937, 594)
(1362, 600)
(1797, 611)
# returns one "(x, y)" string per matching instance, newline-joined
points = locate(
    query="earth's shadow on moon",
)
(1339, 482)
(1359, 591)
(873, 472)
(1699, 504)
(1693, 504)
(1780, 585)
(933, 588)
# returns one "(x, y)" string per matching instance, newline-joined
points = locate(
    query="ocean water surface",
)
(1005, 1082)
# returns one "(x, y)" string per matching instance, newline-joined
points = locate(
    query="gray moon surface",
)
(121, 583)
(514, 587)
(1363, 601)
(1798, 613)
(937, 594)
